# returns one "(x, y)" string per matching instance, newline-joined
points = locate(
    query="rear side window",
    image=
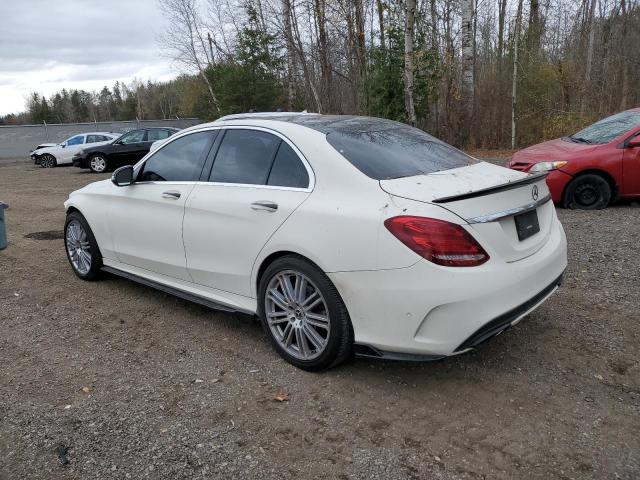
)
(179, 161)
(96, 138)
(155, 135)
(244, 156)
(287, 169)
(396, 152)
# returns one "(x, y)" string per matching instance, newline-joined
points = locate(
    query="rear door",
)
(257, 180)
(146, 217)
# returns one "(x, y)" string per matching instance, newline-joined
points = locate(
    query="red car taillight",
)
(438, 241)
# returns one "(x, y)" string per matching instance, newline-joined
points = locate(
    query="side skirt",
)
(176, 292)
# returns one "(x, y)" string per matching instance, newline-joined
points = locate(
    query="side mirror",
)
(634, 142)
(63, 145)
(123, 176)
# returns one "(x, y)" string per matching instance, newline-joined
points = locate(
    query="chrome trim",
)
(209, 127)
(509, 213)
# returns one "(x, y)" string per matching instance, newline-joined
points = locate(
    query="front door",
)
(129, 149)
(256, 182)
(72, 146)
(146, 217)
(631, 170)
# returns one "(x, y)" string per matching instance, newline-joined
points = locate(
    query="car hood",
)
(552, 151)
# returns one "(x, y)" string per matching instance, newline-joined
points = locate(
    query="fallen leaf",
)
(599, 377)
(86, 389)
(281, 396)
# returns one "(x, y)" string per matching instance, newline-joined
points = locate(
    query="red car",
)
(590, 168)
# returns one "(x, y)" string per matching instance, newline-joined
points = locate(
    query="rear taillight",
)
(438, 241)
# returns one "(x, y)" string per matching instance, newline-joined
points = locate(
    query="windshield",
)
(396, 152)
(608, 129)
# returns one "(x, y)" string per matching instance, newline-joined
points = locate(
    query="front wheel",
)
(304, 315)
(48, 161)
(81, 246)
(588, 192)
(98, 163)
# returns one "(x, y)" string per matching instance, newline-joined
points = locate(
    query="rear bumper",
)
(433, 311)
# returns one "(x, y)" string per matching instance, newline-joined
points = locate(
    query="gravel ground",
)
(113, 380)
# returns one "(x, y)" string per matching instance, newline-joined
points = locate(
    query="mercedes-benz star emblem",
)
(534, 192)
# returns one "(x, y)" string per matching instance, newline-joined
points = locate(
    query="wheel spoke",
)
(311, 301)
(321, 319)
(301, 341)
(287, 289)
(313, 336)
(276, 298)
(287, 335)
(301, 288)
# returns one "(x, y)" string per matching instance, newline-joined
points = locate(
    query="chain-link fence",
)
(17, 140)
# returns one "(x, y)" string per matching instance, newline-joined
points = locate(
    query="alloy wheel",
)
(98, 164)
(78, 247)
(47, 161)
(297, 315)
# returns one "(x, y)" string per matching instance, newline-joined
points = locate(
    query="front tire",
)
(304, 315)
(98, 163)
(588, 192)
(82, 249)
(48, 161)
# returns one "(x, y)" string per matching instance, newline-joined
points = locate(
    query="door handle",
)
(265, 205)
(171, 194)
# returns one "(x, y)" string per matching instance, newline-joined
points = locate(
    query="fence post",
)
(46, 132)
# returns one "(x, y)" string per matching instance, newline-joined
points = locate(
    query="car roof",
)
(322, 123)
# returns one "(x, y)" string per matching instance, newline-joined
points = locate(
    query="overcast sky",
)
(47, 45)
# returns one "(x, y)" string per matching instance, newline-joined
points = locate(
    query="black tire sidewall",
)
(96, 256)
(340, 332)
(598, 183)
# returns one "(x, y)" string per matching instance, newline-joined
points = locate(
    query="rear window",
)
(396, 152)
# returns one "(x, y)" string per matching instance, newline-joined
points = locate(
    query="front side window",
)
(77, 140)
(136, 136)
(608, 128)
(287, 169)
(396, 152)
(155, 135)
(245, 156)
(179, 161)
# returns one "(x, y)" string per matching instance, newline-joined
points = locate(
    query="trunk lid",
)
(487, 197)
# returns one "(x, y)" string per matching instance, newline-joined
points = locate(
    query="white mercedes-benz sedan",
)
(342, 234)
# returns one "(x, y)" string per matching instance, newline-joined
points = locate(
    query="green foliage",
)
(386, 82)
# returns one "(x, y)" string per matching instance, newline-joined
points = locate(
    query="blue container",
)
(3, 230)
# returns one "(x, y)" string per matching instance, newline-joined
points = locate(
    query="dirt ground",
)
(112, 380)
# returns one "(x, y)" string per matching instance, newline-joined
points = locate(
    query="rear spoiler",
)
(531, 178)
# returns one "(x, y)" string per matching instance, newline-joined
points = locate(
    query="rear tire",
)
(98, 163)
(304, 315)
(48, 161)
(82, 249)
(588, 192)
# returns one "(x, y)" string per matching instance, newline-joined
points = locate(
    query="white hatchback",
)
(62, 153)
(343, 234)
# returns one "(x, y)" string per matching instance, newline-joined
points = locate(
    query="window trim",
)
(216, 145)
(150, 155)
(311, 174)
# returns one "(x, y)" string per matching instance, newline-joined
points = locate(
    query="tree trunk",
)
(361, 56)
(467, 67)
(288, 35)
(514, 84)
(409, 23)
(380, 8)
(624, 100)
(502, 10)
(436, 53)
(589, 60)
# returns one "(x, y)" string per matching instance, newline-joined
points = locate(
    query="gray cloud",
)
(49, 44)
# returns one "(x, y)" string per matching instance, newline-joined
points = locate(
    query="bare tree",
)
(409, 24)
(185, 39)
(514, 84)
(467, 65)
